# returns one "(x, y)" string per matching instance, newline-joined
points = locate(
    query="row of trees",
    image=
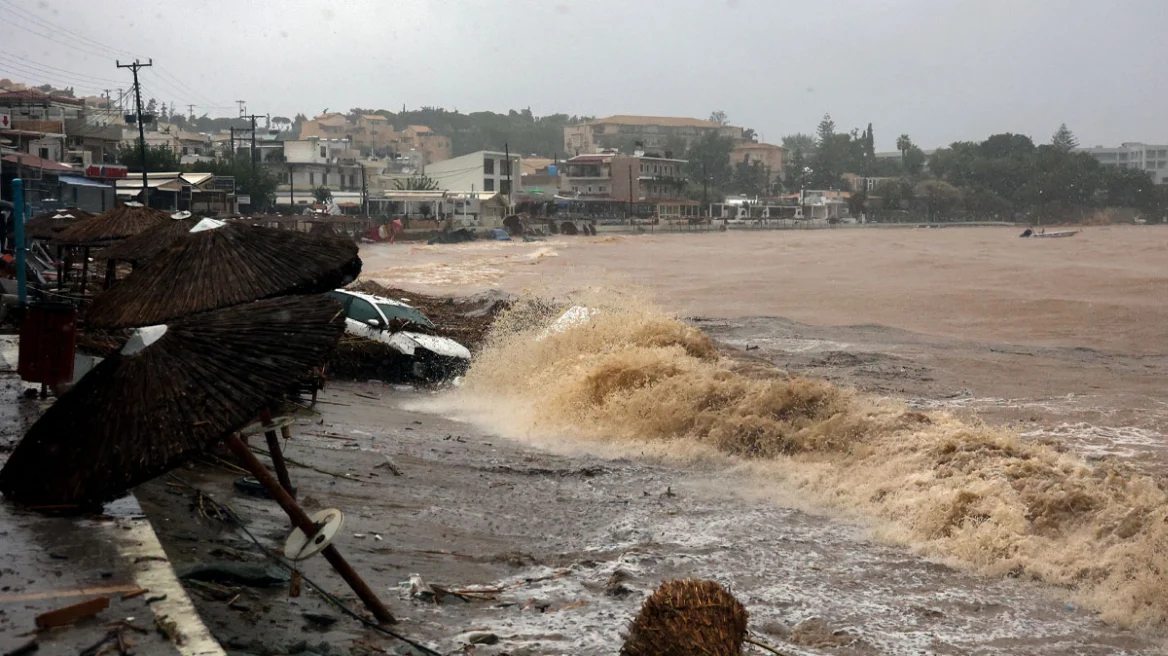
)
(1009, 176)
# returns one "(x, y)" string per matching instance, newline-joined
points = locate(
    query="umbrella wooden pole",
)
(84, 271)
(277, 455)
(301, 520)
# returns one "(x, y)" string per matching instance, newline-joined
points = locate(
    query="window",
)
(505, 187)
(488, 166)
(1160, 164)
(590, 190)
(324, 151)
(488, 183)
(1162, 153)
(324, 179)
(185, 151)
(504, 167)
(362, 310)
(44, 153)
(311, 178)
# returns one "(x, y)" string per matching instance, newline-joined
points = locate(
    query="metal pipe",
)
(18, 223)
(301, 520)
(277, 455)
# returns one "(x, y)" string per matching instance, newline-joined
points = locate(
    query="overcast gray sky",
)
(939, 70)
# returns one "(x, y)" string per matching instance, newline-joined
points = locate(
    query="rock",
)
(320, 619)
(482, 638)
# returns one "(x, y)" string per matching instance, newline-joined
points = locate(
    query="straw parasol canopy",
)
(47, 225)
(112, 225)
(688, 617)
(150, 242)
(217, 265)
(172, 391)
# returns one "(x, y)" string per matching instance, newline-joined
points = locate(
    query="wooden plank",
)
(56, 594)
(70, 614)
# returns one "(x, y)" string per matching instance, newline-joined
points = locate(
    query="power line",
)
(31, 63)
(29, 16)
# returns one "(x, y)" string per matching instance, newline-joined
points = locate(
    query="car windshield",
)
(404, 313)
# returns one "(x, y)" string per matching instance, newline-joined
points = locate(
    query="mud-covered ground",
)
(564, 547)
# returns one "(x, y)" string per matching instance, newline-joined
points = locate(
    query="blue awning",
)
(82, 182)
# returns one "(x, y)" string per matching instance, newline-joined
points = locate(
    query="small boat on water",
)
(1061, 233)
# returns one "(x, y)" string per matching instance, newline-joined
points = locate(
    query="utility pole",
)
(510, 191)
(292, 188)
(141, 129)
(191, 111)
(630, 212)
(252, 118)
(364, 193)
(705, 183)
(242, 106)
(106, 95)
(233, 142)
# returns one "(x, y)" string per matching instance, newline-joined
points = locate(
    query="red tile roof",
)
(32, 161)
(32, 95)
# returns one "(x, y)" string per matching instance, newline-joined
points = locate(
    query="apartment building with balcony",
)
(644, 185)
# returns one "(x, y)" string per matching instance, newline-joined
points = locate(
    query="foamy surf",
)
(635, 380)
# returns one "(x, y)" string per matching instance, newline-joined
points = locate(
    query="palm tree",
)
(416, 183)
(903, 143)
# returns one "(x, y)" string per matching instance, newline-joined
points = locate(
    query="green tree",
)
(718, 116)
(158, 158)
(257, 182)
(751, 178)
(903, 143)
(1064, 139)
(939, 197)
(416, 182)
(801, 142)
(750, 135)
(914, 160)
(322, 194)
(710, 157)
(795, 171)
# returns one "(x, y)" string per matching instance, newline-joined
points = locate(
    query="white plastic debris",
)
(142, 338)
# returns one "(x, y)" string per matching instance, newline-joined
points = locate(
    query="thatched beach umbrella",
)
(172, 391)
(104, 229)
(48, 225)
(218, 265)
(113, 225)
(150, 242)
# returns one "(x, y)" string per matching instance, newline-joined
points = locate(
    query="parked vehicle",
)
(398, 325)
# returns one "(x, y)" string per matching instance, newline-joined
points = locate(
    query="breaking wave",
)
(972, 495)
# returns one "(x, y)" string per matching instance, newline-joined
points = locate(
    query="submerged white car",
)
(389, 321)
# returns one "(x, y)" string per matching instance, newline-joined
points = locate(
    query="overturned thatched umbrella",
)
(150, 242)
(688, 617)
(217, 265)
(170, 392)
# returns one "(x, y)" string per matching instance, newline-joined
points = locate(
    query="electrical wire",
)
(280, 561)
(53, 70)
(23, 14)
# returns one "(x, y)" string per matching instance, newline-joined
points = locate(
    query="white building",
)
(1152, 159)
(485, 171)
(309, 164)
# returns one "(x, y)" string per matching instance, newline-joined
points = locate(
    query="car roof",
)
(373, 299)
